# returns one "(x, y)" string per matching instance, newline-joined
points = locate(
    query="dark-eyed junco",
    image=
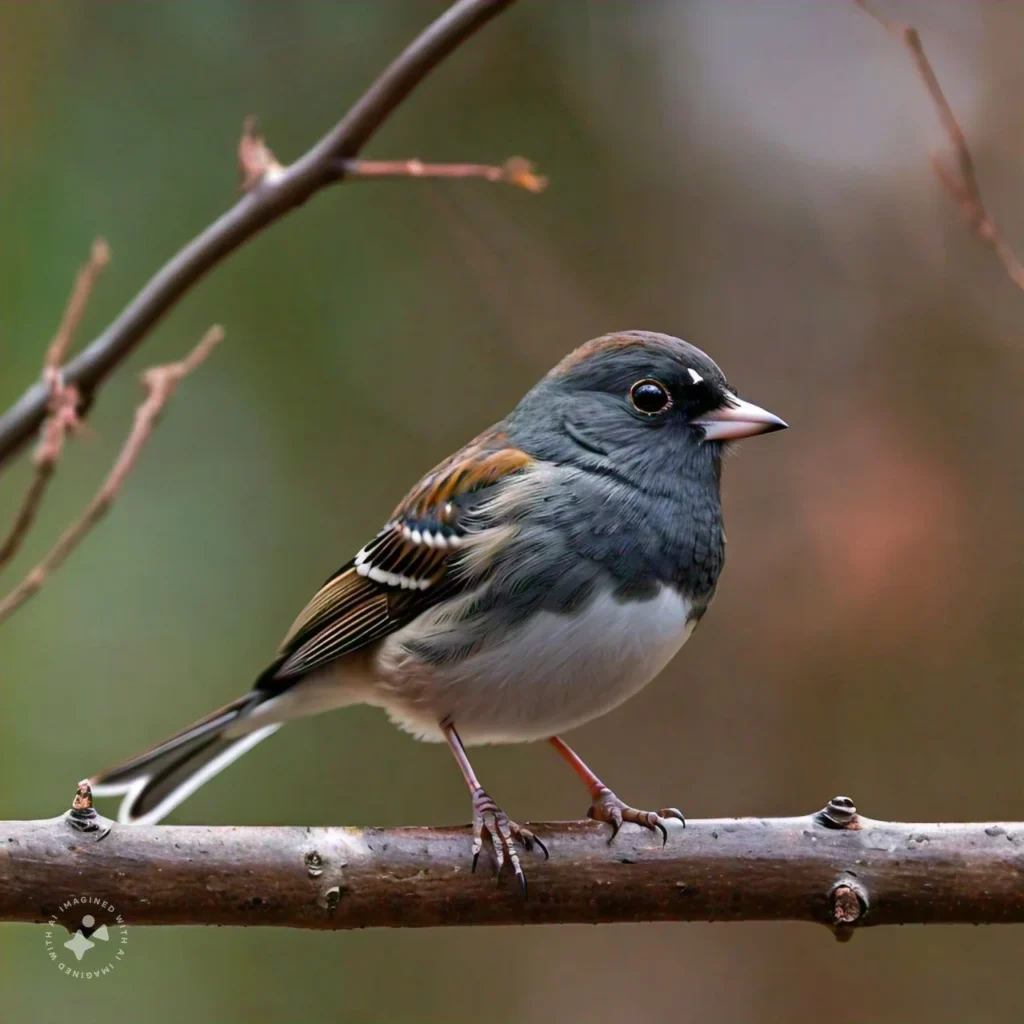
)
(532, 581)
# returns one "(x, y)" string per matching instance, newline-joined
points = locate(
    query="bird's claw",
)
(504, 833)
(608, 807)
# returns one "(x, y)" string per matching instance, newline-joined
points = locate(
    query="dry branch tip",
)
(85, 281)
(256, 160)
(516, 171)
(520, 172)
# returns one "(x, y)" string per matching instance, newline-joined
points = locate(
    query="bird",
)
(529, 583)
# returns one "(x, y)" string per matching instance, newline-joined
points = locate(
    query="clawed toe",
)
(608, 807)
(673, 812)
(504, 833)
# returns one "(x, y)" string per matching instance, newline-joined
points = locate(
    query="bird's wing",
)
(406, 568)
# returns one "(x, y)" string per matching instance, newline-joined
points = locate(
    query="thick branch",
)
(160, 382)
(270, 199)
(833, 867)
(962, 182)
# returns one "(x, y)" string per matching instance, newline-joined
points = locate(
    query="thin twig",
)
(268, 198)
(515, 171)
(63, 402)
(160, 382)
(961, 183)
(85, 281)
(63, 418)
(833, 867)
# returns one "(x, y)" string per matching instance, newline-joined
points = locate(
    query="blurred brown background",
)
(751, 176)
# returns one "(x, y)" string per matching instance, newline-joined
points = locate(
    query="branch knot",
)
(839, 812)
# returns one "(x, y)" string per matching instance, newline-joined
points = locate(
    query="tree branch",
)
(62, 402)
(62, 418)
(160, 382)
(515, 171)
(267, 199)
(85, 281)
(833, 867)
(961, 183)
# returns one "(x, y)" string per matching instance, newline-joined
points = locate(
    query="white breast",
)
(551, 674)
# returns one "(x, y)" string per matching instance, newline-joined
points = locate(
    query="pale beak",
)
(738, 419)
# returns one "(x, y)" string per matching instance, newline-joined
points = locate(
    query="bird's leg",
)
(607, 806)
(490, 818)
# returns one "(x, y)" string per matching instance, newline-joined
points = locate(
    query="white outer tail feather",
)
(214, 766)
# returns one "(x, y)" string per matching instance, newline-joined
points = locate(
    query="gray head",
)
(645, 403)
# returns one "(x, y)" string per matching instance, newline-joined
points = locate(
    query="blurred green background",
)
(751, 176)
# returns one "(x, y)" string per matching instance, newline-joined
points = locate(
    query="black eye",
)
(649, 397)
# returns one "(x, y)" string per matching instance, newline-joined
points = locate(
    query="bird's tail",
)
(157, 780)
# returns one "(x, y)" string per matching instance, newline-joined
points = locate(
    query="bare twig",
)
(63, 418)
(834, 867)
(63, 402)
(99, 257)
(160, 382)
(961, 183)
(515, 171)
(268, 198)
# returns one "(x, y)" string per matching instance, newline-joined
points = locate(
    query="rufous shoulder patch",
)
(480, 463)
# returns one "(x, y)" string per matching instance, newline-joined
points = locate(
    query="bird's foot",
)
(489, 818)
(608, 807)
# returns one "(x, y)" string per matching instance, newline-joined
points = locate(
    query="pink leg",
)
(490, 818)
(606, 806)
